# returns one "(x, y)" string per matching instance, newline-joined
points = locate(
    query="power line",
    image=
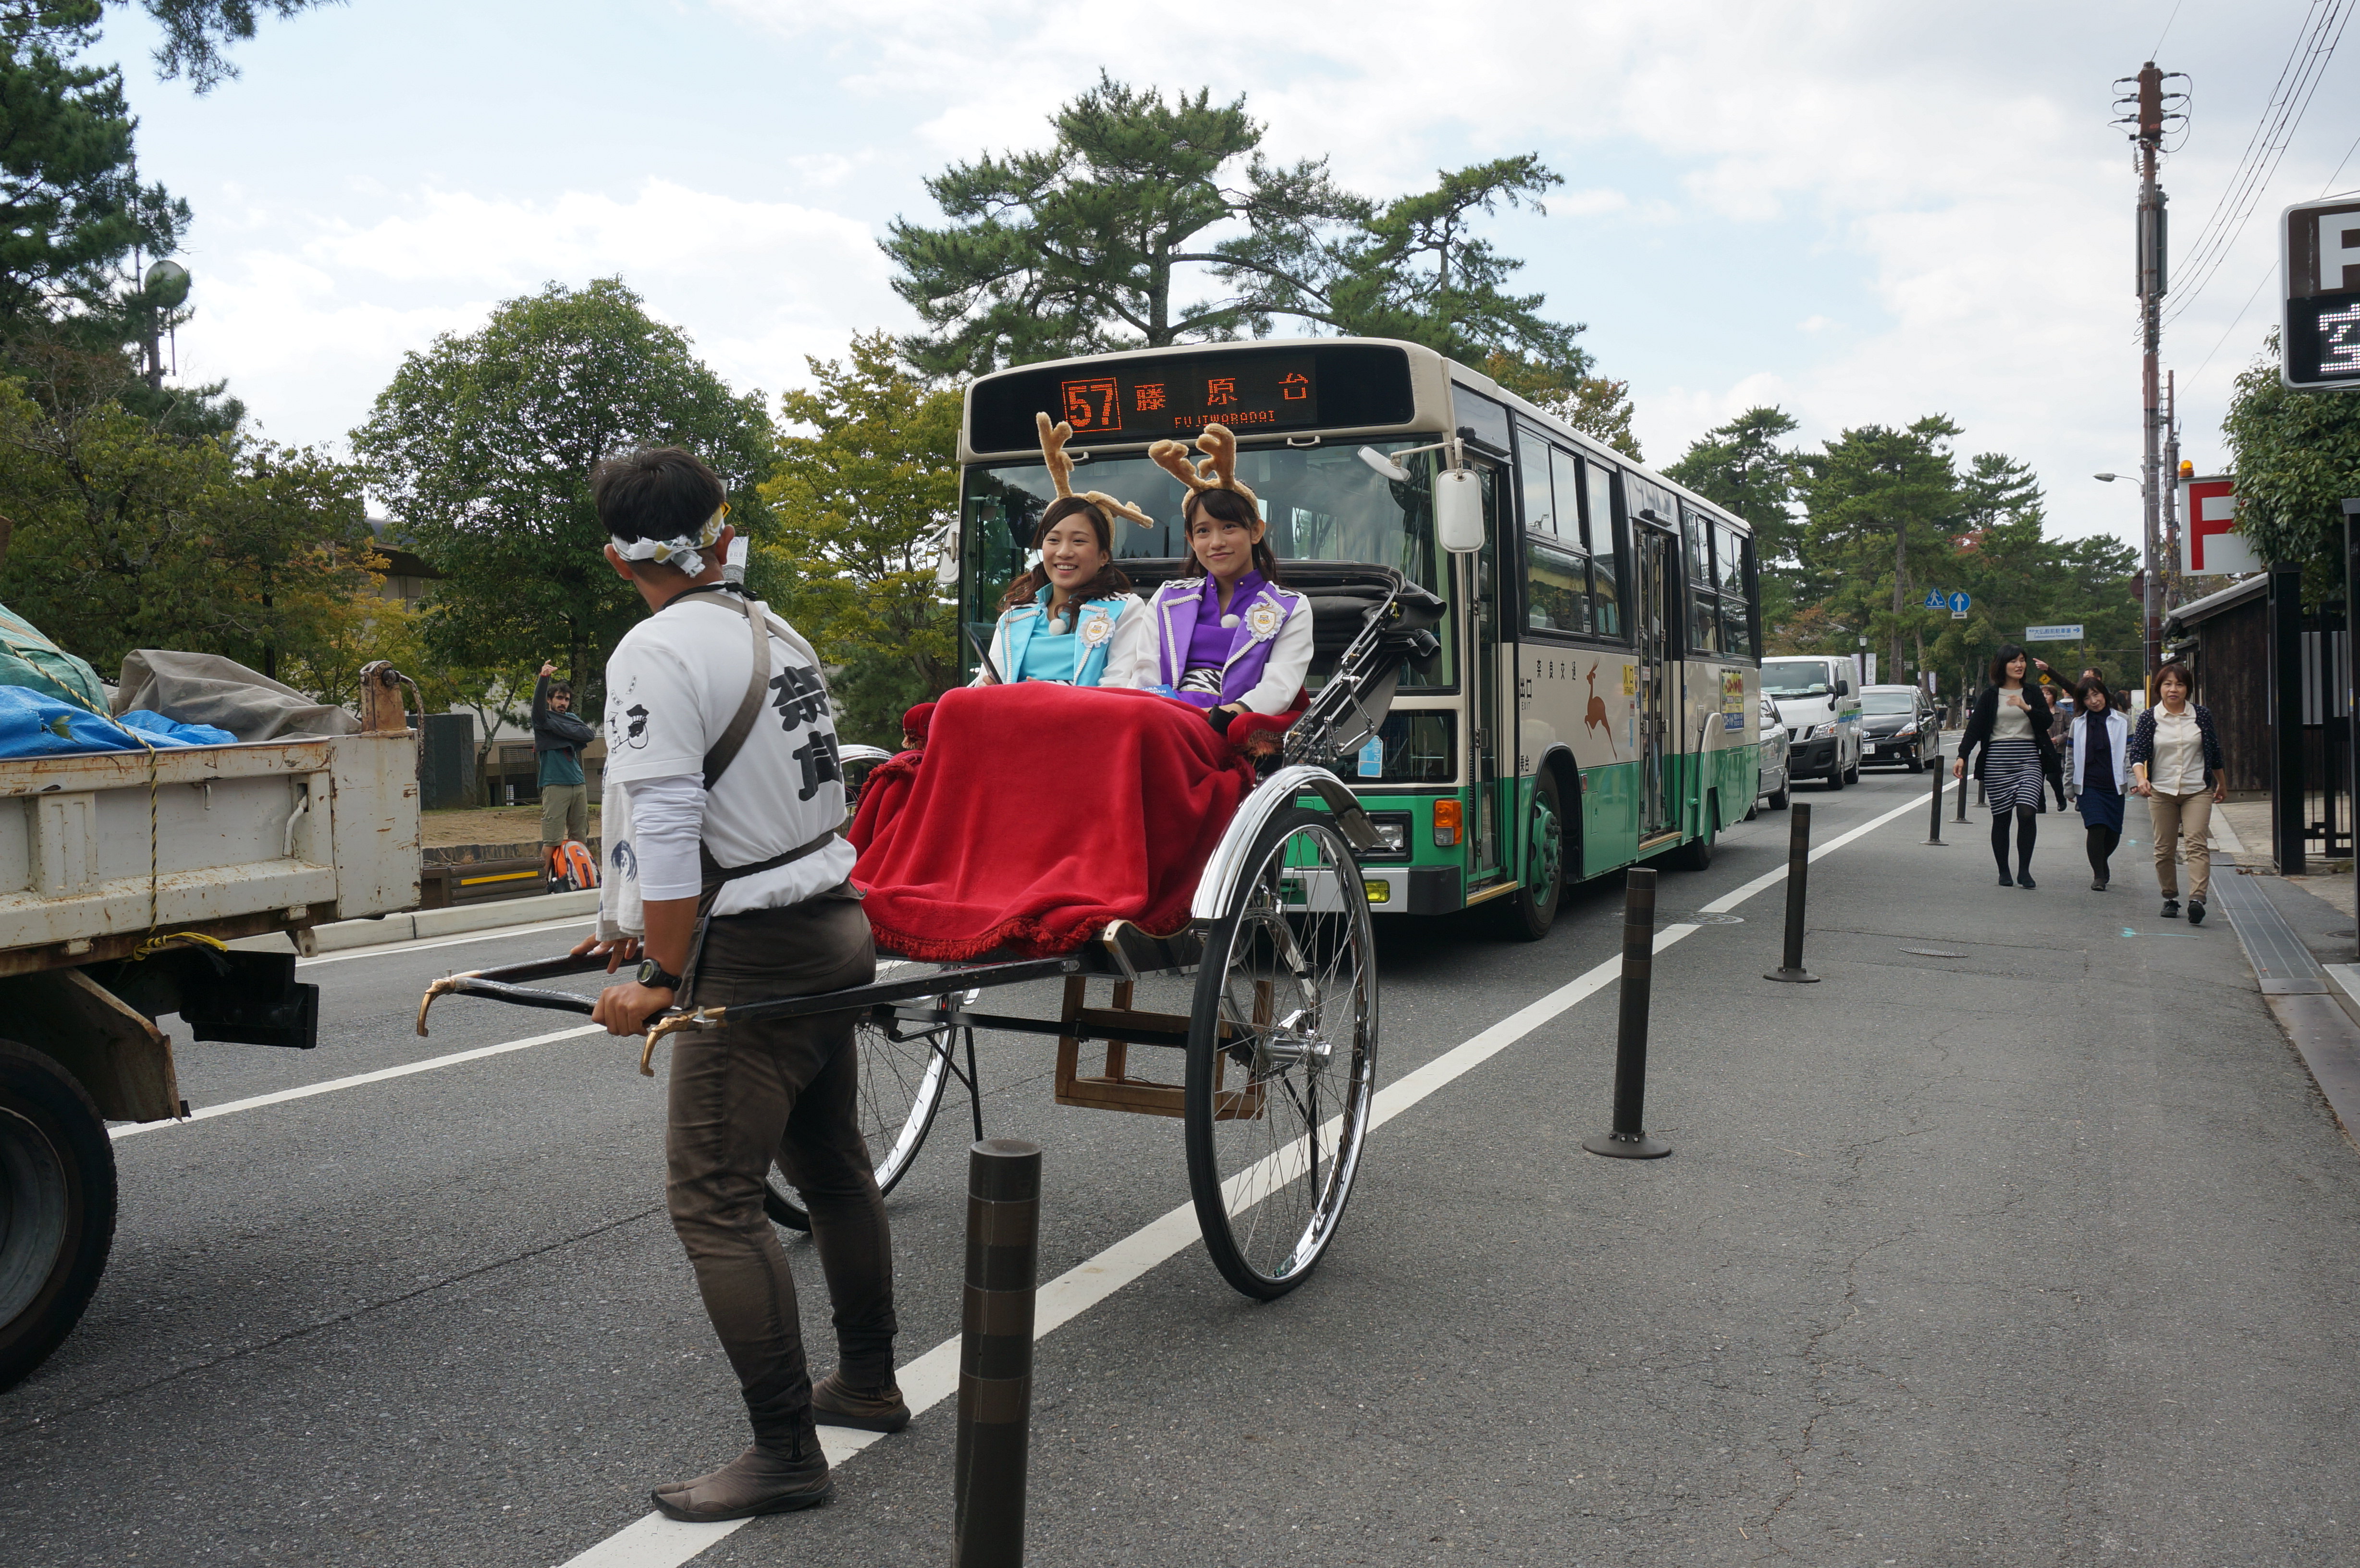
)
(2308, 65)
(2324, 191)
(2255, 142)
(2166, 28)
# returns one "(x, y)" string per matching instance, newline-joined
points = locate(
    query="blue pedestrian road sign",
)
(1934, 600)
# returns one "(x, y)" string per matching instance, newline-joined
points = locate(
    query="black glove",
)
(1220, 719)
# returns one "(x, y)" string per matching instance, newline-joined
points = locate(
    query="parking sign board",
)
(2210, 508)
(2319, 242)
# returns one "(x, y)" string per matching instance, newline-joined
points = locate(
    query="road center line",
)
(655, 1541)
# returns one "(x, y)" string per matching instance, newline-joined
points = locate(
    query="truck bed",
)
(246, 839)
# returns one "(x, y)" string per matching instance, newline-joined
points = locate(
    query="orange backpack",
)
(572, 868)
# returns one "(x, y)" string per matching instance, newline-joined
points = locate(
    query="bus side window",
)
(1605, 554)
(1729, 556)
(1557, 588)
(1704, 619)
(1568, 473)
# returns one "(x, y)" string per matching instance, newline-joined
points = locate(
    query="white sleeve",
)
(667, 826)
(1290, 661)
(1130, 659)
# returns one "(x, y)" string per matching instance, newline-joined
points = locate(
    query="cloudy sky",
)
(1865, 211)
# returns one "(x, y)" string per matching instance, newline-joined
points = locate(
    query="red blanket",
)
(1037, 815)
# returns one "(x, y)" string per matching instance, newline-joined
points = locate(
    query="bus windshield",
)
(1323, 502)
(1794, 677)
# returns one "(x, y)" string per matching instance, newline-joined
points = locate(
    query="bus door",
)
(1491, 698)
(1658, 669)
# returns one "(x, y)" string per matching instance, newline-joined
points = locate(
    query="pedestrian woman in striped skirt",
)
(2010, 723)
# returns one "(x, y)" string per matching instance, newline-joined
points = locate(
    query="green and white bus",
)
(1595, 699)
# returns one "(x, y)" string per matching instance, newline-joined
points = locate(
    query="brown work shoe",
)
(756, 1482)
(864, 1409)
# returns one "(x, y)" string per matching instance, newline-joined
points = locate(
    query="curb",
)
(420, 923)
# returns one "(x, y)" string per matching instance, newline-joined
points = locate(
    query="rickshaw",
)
(1275, 969)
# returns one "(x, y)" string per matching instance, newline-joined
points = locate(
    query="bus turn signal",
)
(1447, 823)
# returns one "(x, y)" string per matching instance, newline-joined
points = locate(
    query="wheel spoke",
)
(1295, 991)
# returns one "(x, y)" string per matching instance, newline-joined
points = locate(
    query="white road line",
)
(655, 1541)
(392, 949)
(381, 1074)
(232, 1106)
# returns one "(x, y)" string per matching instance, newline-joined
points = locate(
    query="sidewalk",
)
(2021, 1237)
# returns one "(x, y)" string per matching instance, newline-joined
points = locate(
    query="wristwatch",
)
(655, 975)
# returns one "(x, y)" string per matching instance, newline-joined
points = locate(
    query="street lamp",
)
(2147, 584)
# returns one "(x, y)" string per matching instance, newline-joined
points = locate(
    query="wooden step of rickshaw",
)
(1113, 1088)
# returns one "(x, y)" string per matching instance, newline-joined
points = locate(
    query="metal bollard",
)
(1934, 766)
(995, 1397)
(1798, 874)
(1962, 794)
(1627, 1140)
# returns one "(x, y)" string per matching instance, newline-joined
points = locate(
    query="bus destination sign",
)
(1180, 397)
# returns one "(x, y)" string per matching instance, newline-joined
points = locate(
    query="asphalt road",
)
(2034, 1247)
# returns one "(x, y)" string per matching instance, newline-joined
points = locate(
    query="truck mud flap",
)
(250, 998)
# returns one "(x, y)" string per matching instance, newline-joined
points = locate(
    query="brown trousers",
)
(2179, 818)
(786, 1090)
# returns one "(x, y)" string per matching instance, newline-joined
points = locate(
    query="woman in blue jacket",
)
(1072, 619)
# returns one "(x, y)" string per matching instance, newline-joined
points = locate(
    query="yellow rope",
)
(155, 944)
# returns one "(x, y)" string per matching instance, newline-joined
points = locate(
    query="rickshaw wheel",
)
(900, 1089)
(1282, 1057)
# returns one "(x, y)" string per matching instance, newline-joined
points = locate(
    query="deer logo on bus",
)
(1596, 719)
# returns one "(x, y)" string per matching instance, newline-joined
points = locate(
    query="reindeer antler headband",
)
(1060, 472)
(1221, 450)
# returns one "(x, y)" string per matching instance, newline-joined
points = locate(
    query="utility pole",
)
(2146, 120)
(2172, 585)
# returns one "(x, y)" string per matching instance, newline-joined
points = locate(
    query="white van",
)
(1820, 708)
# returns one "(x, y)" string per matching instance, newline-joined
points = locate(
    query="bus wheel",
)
(1527, 914)
(1697, 854)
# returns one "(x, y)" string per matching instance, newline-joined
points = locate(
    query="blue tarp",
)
(34, 724)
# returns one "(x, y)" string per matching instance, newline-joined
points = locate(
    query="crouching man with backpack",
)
(726, 882)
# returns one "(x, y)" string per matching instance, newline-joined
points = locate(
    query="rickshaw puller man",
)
(727, 881)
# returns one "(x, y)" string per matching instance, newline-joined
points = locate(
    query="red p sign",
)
(2208, 511)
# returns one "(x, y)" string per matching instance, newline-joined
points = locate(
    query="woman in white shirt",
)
(2176, 763)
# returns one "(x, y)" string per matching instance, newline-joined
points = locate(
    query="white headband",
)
(681, 552)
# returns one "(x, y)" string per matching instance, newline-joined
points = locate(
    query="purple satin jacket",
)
(1189, 631)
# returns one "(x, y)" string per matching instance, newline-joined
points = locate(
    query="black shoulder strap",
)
(758, 680)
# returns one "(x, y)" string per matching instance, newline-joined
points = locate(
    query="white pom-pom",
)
(1228, 623)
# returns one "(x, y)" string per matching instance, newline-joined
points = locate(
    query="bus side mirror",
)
(1458, 511)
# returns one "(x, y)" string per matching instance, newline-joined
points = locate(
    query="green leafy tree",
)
(1081, 246)
(127, 536)
(483, 447)
(2297, 458)
(1415, 268)
(1741, 465)
(1089, 245)
(864, 506)
(1874, 494)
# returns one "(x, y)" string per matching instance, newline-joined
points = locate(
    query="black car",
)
(1898, 723)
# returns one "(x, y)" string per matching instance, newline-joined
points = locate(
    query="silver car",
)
(1774, 785)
